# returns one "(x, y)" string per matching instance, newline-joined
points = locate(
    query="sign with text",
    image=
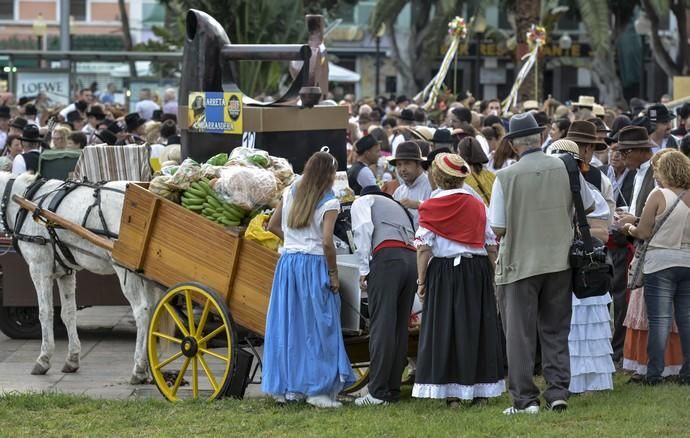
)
(215, 112)
(54, 85)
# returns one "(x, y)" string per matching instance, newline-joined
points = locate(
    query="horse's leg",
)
(43, 282)
(68, 301)
(134, 290)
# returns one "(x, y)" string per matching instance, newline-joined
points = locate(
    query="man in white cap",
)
(531, 211)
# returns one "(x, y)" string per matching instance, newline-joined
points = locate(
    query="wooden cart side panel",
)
(252, 285)
(180, 247)
(127, 250)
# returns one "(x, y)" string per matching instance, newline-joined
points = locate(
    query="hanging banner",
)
(54, 85)
(215, 112)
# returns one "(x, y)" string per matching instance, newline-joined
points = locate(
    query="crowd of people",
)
(467, 211)
(28, 125)
(471, 211)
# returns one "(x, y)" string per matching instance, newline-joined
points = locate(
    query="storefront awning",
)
(337, 73)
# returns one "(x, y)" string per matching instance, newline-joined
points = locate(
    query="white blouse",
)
(442, 247)
(307, 240)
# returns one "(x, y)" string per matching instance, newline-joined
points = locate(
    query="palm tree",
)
(428, 29)
(655, 9)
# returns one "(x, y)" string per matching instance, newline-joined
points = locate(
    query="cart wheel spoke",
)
(202, 320)
(190, 312)
(176, 318)
(207, 371)
(168, 360)
(195, 377)
(167, 337)
(209, 374)
(180, 377)
(213, 334)
(214, 354)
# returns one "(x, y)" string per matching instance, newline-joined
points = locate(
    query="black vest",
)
(593, 176)
(31, 160)
(352, 174)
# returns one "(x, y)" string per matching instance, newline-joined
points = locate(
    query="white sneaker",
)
(370, 400)
(533, 409)
(280, 399)
(323, 401)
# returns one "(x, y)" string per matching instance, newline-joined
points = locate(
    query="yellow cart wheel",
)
(361, 371)
(192, 345)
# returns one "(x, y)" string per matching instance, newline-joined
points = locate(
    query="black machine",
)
(292, 126)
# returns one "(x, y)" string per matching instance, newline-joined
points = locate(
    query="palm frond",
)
(595, 16)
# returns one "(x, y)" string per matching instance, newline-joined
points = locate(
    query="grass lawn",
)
(630, 410)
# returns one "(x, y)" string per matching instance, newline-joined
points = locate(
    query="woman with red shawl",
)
(459, 355)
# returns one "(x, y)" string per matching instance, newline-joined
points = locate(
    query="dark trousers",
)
(619, 258)
(537, 305)
(392, 284)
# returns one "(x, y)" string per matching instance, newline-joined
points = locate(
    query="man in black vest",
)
(360, 175)
(31, 142)
(384, 234)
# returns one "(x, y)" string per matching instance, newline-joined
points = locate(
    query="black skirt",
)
(460, 354)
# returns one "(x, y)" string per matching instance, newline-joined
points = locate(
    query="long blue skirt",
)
(304, 352)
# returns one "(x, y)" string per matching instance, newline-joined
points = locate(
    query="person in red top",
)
(459, 355)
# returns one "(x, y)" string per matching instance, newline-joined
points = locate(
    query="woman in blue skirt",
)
(304, 352)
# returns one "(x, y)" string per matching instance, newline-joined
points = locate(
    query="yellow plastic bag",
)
(255, 231)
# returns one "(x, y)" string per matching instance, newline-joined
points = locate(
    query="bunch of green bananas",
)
(201, 198)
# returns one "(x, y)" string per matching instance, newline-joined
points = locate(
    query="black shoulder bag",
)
(592, 274)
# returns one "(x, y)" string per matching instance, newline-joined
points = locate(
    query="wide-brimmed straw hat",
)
(452, 165)
(585, 102)
(564, 146)
(407, 150)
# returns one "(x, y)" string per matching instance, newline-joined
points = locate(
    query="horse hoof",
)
(69, 368)
(39, 370)
(138, 380)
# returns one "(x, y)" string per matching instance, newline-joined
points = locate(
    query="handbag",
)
(636, 270)
(592, 273)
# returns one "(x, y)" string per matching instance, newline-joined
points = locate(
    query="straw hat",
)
(423, 133)
(585, 102)
(530, 105)
(452, 165)
(564, 146)
(598, 110)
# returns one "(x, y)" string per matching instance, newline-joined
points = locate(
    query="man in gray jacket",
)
(384, 233)
(531, 212)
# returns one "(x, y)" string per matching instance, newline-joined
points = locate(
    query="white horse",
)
(141, 293)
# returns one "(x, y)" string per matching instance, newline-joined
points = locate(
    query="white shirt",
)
(19, 165)
(68, 109)
(363, 230)
(366, 177)
(637, 187)
(442, 247)
(497, 208)
(397, 139)
(3, 139)
(145, 108)
(307, 240)
(420, 190)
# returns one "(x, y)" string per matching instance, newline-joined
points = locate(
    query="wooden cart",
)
(216, 281)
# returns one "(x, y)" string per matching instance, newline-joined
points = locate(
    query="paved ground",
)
(107, 337)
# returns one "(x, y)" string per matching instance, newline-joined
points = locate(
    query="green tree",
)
(247, 22)
(428, 29)
(655, 11)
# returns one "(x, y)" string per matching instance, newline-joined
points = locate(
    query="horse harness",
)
(60, 249)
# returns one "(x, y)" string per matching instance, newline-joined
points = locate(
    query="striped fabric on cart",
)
(114, 163)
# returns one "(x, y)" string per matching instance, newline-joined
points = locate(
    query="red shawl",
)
(459, 217)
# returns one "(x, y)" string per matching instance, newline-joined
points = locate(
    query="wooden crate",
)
(169, 244)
